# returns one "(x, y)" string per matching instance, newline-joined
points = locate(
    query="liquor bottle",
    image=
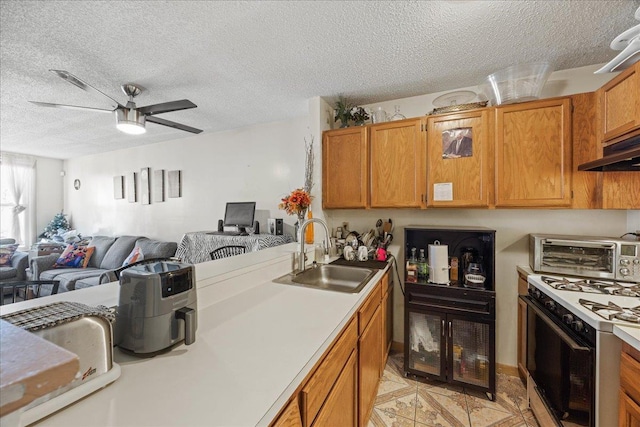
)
(412, 267)
(308, 233)
(422, 267)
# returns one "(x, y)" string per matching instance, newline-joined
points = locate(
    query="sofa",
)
(15, 269)
(109, 254)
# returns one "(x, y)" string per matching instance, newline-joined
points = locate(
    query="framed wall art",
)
(145, 186)
(158, 185)
(174, 181)
(118, 187)
(132, 195)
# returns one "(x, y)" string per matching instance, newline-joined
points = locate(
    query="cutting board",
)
(30, 367)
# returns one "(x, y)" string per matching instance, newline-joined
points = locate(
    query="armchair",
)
(19, 263)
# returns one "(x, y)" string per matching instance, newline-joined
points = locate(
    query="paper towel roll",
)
(438, 263)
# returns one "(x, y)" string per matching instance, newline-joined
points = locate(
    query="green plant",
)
(342, 111)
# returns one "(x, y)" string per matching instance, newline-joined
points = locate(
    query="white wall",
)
(261, 163)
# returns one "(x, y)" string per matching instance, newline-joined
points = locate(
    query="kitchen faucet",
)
(301, 255)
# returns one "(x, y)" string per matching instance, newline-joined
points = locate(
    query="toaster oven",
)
(594, 257)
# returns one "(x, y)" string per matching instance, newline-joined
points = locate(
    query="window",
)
(17, 198)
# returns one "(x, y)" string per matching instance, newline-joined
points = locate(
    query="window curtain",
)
(18, 188)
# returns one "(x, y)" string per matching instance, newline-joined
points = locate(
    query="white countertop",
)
(629, 335)
(256, 341)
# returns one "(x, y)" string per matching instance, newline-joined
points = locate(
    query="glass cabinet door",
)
(470, 351)
(424, 352)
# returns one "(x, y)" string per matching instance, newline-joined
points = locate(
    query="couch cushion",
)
(135, 256)
(69, 276)
(118, 252)
(88, 282)
(156, 249)
(102, 245)
(75, 256)
(8, 273)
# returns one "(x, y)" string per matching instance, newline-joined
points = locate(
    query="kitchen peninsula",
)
(256, 343)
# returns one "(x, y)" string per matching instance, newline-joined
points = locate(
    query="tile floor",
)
(419, 402)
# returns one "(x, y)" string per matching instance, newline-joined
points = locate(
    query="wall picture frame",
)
(145, 186)
(118, 187)
(174, 181)
(132, 194)
(158, 185)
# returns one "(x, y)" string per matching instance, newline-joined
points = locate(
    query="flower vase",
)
(301, 216)
(345, 121)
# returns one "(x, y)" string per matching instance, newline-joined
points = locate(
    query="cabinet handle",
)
(450, 329)
(443, 328)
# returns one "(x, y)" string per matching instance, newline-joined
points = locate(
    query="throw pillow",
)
(6, 252)
(75, 256)
(135, 256)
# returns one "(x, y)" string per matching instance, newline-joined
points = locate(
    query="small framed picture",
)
(132, 195)
(457, 143)
(145, 187)
(118, 187)
(174, 180)
(158, 185)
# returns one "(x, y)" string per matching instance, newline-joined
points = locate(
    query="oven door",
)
(562, 366)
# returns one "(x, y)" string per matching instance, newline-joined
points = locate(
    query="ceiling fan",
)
(629, 44)
(129, 118)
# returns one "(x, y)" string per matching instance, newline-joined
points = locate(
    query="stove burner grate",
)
(612, 311)
(592, 286)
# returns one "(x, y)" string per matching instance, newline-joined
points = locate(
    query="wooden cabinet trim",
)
(370, 360)
(341, 406)
(369, 307)
(315, 391)
(620, 100)
(290, 416)
(629, 373)
(628, 411)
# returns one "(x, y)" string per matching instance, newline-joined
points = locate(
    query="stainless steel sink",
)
(331, 278)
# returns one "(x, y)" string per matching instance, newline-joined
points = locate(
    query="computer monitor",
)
(240, 214)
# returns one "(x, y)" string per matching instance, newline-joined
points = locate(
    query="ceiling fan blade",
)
(163, 122)
(70, 107)
(83, 85)
(165, 107)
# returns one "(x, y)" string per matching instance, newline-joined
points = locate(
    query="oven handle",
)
(562, 334)
(561, 242)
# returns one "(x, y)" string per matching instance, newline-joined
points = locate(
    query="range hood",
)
(621, 156)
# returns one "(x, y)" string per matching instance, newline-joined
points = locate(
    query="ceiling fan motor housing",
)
(130, 120)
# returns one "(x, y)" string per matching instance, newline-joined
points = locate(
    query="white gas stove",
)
(598, 303)
(573, 356)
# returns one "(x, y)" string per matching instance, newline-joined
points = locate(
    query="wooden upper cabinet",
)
(467, 171)
(345, 168)
(398, 162)
(533, 154)
(620, 103)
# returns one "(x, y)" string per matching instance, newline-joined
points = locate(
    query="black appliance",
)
(450, 329)
(561, 354)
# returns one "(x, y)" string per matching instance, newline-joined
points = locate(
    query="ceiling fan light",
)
(130, 121)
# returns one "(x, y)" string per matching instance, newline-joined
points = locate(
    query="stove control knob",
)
(537, 293)
(578, 326)
(636, 261)
(567, 318)
(624, 271)
(624, 262)
(551, 305)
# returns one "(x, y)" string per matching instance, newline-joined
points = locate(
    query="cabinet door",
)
(425, 352)
(340, 408)
(345, 167)
(470, 351)
(398, 158)
(458, 155)
(370, 362)
(387, 318)
(290, 417)
(533, 154)
(629, 411)
(620, 103)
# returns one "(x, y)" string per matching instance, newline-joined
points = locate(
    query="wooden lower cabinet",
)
(369, 365)
(290, 417)
(629, 401)
(342, 388)
(341, 407)
(387, 317)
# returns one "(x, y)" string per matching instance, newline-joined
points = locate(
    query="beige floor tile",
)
(512, 389)
(390, 420)
(428, 414)
(393, 387)
(398, 406)
(476, 400)
(529, 418)
(439, 387)
(392, 374)
(452, 406)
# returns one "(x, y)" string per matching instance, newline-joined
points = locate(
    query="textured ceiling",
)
(252, 62)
